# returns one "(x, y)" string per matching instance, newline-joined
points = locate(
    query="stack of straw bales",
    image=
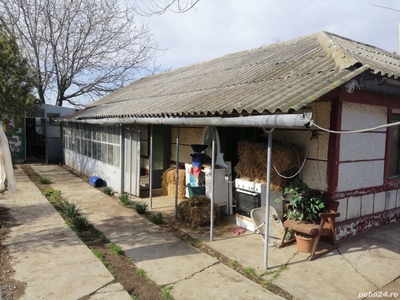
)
(168, 183)
(197, 210)
(286, 158)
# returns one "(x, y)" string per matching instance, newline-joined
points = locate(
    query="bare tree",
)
(80, 48)
(158, 7)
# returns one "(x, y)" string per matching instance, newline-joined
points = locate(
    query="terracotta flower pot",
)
(304, 244)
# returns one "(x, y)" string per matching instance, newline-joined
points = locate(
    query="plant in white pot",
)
(304, 204)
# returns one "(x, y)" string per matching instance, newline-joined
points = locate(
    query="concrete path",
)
(47, 255)
(362, 266)
(166, 259)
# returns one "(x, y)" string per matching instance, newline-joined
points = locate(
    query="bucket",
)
(196, 190)
(96, 181)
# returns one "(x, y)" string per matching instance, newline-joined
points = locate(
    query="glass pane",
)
(110, 154)
(116, 156)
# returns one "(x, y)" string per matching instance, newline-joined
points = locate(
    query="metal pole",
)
(212, 185)
(177, 172)
(151, 168)
(267, 195)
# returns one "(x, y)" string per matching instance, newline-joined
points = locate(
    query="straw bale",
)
(196, 211)
(168, 178)
(181, 191)
(252, 165)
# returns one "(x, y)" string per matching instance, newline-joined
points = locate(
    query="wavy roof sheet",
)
(276, 78)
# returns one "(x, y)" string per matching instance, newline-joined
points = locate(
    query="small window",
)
(394, 145)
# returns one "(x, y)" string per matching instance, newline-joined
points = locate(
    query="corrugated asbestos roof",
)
(276, 78)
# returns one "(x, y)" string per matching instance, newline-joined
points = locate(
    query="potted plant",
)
(304, 204)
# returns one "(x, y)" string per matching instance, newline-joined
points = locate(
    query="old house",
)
(350, 88)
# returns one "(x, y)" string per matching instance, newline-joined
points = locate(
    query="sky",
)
(218, 27)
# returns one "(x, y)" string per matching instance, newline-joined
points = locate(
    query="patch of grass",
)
(157, 218)
(233, 264)
(141, 273)
(44, 180)
(115, 249)
(98, 254)
(140, 207)
(250, 271)
(71, 210)
(124, 198)
(103, 237)
(80, 223)
(51, 192)
(166, 292)
(106, 190)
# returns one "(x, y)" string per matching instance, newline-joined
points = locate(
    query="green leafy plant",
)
(157, 218)
(51, 191)
(166, 292)
(106, 190)
(71, 210)
(80, 223)
(124, 198)
(305, 203)
(44, 180)
(140, 207)
(141, 273)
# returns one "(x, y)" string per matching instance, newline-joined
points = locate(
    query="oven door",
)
(246, 201)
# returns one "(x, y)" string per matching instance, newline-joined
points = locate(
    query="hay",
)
(196, 211)
(168, 183)
(286, 158)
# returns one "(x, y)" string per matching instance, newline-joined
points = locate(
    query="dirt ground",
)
(123, 269)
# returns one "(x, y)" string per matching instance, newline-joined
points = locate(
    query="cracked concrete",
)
(164, 257)
(362, 264)
(41, 233)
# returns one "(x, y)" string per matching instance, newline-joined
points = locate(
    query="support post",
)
(267, 195)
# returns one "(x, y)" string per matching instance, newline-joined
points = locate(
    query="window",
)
(106, 144)
(394, 153)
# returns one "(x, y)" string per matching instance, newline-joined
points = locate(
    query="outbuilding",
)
(336, 98)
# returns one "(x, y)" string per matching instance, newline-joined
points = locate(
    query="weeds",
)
(166, 292)
(124, 199)
(106, 190)
(249, 271)
(141, 273)
(44, 180)
(140, 207)
(233, 264)
(51, 192)
(71, 210)
(115, 249)
(80, 223)
(157, 218)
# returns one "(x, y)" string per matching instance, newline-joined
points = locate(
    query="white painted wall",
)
(93, 167)
(362, 154)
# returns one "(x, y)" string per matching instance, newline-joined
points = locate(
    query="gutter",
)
(266, 121)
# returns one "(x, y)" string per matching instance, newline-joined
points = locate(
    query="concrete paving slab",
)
(220, 282)
(46, 254)
(361, 264)
(165, 258)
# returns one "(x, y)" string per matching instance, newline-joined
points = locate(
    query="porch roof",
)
(277, 78)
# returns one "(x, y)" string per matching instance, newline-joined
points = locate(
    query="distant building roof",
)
(280, 77)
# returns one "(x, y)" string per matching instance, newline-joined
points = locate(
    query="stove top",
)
(248, 185)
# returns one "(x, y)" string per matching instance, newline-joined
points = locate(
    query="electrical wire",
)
(301, 167)
(356, 131)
